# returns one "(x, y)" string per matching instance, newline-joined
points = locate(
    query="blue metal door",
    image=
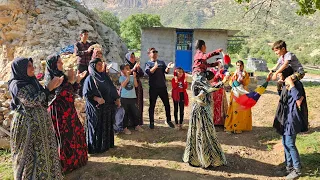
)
(184, 50)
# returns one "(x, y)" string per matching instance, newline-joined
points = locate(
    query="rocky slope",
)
(38, 28)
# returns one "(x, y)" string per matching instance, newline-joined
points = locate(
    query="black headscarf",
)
(19, 79)
(102, 81)
(52, 69)
(99, 77)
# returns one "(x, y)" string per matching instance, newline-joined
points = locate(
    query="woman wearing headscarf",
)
(202, 147)
(69, 130)
(101, 96)
(33, 144)
(237, 119)
(135, 67)
(219, 97)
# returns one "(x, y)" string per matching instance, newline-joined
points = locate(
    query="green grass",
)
(309, 71)
(6, 172)
(309, 149)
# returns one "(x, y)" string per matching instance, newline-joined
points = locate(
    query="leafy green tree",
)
(131, 28)
(307, 7)
(109, 20)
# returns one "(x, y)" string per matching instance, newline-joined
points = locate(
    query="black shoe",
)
(170, 124)
(151, 126)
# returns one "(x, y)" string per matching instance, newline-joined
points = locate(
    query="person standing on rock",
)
(69, 130)
(83, 50)
(33, 143)
(156, 70)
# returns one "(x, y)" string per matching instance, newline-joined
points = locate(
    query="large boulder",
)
(38, 28)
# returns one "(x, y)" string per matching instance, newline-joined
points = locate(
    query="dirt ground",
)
(157, 154)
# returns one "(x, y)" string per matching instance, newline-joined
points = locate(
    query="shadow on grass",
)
(310, 165)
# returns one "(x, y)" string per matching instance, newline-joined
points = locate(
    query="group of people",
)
(202, 147)
(48, 139)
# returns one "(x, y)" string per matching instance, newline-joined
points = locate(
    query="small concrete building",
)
(178, 45)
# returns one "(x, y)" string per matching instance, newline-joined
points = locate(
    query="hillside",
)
(300, 32)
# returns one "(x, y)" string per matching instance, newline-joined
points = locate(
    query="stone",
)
(1, 118)
(6, 104)
(8, 95)
(5, 20)
(64, 22)
(73, 18)
(4, 84)
(9, 115)
(13, 35)
(256, 64)
(4, 142)
(3, 110)
(6, 123)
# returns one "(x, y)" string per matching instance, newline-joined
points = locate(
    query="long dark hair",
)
(199, 44)
(240, 62)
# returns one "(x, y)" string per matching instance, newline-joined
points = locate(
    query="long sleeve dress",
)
(69, 130)
(238, 120)
(33, 142)
(100, 118)
(202, 147)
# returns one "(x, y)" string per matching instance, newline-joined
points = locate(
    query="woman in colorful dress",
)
(101, 96)
(219, 98)
(33, 143)
(135, 67)
(69, 130)
(238, 119)
(202, 147)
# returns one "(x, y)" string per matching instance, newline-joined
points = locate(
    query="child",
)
(179, 94)
(129, 98)
(291, 118)
(286, 59)
(200, 66)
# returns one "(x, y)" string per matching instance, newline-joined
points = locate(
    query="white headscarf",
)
(128, 55)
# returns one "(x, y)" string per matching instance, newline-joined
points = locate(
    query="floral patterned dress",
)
(69, 130)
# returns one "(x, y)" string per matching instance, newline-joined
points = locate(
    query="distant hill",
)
(302, 33)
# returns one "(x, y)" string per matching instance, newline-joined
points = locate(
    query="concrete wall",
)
(214, 40)
(163, 40)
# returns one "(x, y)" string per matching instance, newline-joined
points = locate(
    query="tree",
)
(131, 28)
(307, 7)
(109, 20)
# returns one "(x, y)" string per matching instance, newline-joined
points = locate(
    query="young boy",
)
(286, 59)
(200, 66)
(179, 94)
(129, 98)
